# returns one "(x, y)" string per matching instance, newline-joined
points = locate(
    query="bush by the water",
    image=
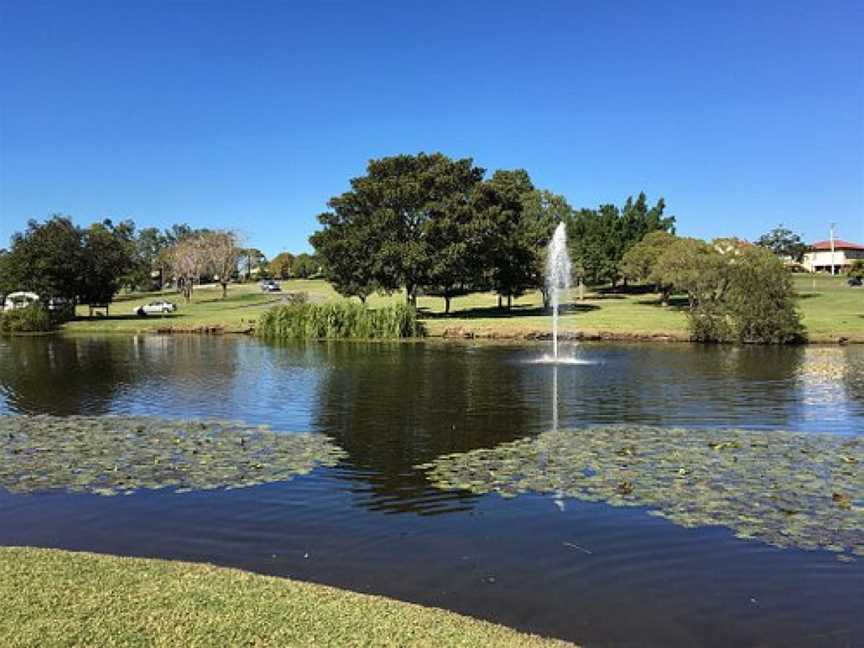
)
(338, 320)
(746, 297)
(31, 319)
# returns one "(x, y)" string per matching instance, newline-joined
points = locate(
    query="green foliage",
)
(542, 211)
(511, 265)
(34, 318)
(600, 238)
(737, 292)
(688, 266)
(338, 320)
(386, 232)
(47, 259)
(756, 306)
(56, 259)
(108, 255)
(784, 243)
(289, 266)
(640, 261)
(857, 269)
(306, 266)
(281, 266)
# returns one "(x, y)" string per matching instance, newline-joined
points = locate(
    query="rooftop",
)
(838, 245)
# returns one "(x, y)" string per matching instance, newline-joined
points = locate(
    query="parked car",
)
(20, 299)
(158, 307)
(269, 285)
(855, 281)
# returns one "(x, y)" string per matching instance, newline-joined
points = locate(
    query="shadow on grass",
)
(493, 312)
(675, 303)
(621, 291)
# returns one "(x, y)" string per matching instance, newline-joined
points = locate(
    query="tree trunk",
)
(224, 290)
(509, 302)
(446, 304)
(499, 302)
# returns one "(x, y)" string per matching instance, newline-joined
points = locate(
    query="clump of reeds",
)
(338, 320)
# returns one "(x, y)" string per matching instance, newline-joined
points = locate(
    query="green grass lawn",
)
(59, 598)
(831, 311)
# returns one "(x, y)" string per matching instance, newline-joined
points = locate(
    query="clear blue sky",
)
(252, 114)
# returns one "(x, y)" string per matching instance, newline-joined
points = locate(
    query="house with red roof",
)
(820, 258)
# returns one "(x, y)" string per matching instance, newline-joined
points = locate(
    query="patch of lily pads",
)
(109, 455)
(786, 489)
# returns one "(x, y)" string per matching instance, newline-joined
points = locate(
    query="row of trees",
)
(429, 223)
(57, 259)
(293, 266)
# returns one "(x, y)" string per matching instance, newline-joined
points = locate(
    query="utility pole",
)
(833, 271)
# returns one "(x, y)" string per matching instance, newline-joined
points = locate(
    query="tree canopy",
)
(56, 259)
(599, 238)
(429, 223)
(388, 230)
(784, 243)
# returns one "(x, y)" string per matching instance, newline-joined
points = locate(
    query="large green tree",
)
(108, 256)
(47, 259)
(377, 234)
(511, 254)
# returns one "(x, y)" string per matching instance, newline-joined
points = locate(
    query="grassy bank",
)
(57, 598)
(831, 311)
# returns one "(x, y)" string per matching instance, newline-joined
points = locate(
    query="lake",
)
(597, 574)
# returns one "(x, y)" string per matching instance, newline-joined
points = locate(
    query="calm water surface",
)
(375, 524)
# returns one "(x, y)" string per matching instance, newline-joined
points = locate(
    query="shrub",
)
(338, 320)
(751, 302)
(857, 269)
(31, 319)
(297, 298)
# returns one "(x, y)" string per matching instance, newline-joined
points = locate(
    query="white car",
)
(158, 307)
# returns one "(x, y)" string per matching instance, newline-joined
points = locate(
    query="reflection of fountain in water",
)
(559, 496)
(554, 399)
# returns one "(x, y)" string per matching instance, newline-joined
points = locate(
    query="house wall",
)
(820, 260)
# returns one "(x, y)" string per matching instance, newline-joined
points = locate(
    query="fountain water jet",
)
(557, 278)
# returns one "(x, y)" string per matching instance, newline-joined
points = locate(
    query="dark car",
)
(855, 281)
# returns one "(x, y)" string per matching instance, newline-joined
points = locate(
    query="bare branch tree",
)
(222, 251)
(187, 260)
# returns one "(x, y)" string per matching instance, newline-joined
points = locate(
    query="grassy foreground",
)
(60, 598)
(830, 309)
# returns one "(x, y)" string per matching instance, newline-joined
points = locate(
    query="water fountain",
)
(557, 278)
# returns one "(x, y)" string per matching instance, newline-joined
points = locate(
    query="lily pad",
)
(784, 488)
(108, 455)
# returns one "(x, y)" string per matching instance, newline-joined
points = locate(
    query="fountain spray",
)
(557, 278)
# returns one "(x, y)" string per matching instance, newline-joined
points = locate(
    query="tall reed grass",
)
(338, 320)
